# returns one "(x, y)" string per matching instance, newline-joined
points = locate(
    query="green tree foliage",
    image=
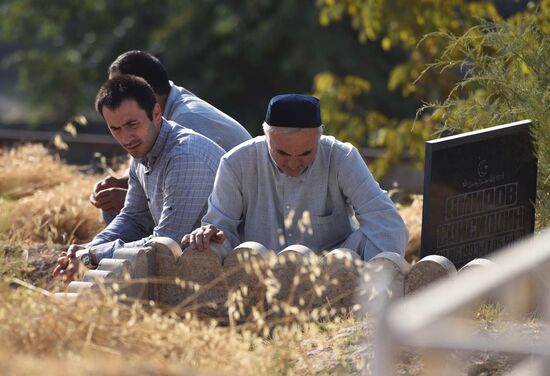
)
(62, 48)
(405, 26)
(235, 54)
(507, 78)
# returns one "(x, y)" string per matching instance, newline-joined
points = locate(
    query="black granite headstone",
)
(479, 192)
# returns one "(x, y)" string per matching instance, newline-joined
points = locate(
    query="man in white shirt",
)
(296, 186)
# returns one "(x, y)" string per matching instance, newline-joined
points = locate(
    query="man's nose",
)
(126, 135)
(294, 163)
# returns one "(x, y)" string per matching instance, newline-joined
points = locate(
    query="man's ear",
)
(157, 114)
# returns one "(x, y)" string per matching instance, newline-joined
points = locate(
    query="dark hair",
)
(144, 65)
(113, 92)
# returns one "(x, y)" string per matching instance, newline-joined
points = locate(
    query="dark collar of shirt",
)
(157, 149)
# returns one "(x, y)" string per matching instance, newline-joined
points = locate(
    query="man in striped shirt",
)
(171, 174)
(177, 104)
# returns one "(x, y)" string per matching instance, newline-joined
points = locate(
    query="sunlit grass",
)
(52, 330)
(29, 168)
(43, 200)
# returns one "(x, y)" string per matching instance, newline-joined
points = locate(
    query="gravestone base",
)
(141, 268)
(343, 269)
(245, 270)
(428, 270)
(250, 282)
(476, 263)
(295, 270)
(383, 280)
(194, 281)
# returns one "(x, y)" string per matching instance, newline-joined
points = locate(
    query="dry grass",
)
(134, 337)
(44, 201)
(82, 327)
(29, 168)
(59, 215)
(412, 215)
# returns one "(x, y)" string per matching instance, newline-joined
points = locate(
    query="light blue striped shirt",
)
(190, 111)
(254, 201)
(167, 193)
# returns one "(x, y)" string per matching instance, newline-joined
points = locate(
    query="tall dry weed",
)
(42, 199)
(28, 168)
(59, 215)
(412, 215)
(47, 201)
(142, 337)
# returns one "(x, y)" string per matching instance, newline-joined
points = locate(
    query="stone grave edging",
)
(132, 269)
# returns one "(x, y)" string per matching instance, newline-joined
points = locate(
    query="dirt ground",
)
(35, 263)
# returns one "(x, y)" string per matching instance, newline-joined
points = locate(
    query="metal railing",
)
(439, 321)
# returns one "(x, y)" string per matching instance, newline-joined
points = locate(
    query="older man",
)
(171, 173)
(296, 186)
(176, 104)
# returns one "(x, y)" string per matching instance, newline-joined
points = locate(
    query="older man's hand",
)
(68, 264)
(200, 238)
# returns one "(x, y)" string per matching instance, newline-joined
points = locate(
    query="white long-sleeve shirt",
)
(253, 200)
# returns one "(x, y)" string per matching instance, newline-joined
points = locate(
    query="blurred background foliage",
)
(363, 58)
(235, 54)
